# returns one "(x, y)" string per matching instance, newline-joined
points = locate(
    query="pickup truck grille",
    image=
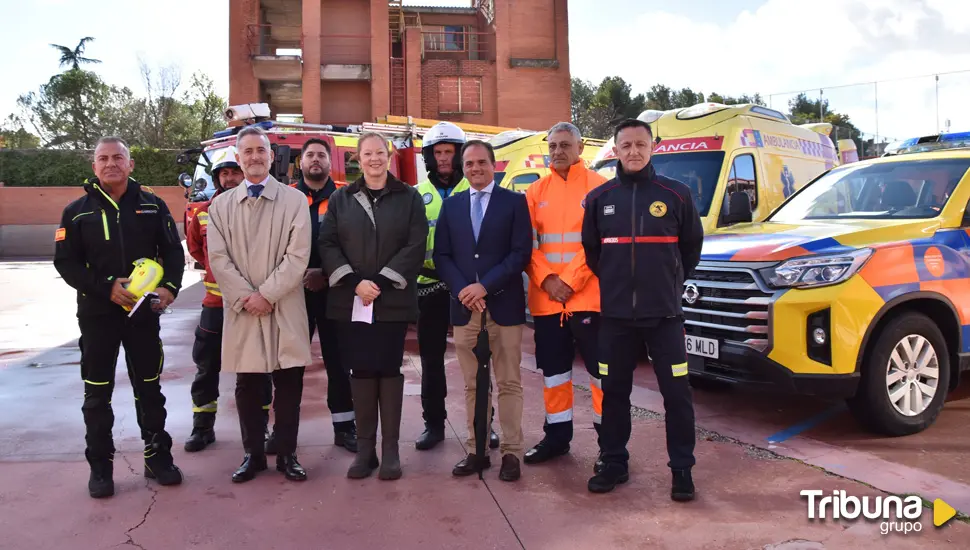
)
(728, 305)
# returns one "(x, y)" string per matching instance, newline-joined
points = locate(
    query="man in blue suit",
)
(483, 241)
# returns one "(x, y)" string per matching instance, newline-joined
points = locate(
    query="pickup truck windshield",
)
(698, 171)
(887, 190)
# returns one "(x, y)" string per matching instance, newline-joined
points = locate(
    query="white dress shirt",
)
(250, 184)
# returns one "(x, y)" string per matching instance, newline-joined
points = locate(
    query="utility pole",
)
(876, 88)
(937, 104)
(821, 114)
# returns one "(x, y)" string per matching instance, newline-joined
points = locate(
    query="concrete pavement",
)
(748, 490)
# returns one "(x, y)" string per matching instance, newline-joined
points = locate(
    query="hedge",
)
(44, 167)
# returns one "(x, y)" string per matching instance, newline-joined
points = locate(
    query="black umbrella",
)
(482, 398)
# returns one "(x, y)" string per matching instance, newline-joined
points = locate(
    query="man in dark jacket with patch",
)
(642, 236)
(100, 237)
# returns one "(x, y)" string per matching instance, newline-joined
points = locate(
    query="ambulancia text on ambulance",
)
(857, 287)
(725, 152)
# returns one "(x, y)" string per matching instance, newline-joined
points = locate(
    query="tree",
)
(74, 58)
(804, 111)
(68, 110)
(740, 100)
(14, 136)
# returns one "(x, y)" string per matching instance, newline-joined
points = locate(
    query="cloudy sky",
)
(728, 46)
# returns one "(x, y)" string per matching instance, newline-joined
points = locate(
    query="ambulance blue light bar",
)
(265, 125)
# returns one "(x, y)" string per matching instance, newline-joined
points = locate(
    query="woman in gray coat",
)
(372, 243)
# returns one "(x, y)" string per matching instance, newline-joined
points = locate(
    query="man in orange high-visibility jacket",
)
(564, 295)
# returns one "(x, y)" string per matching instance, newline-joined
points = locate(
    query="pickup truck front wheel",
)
(904, 378)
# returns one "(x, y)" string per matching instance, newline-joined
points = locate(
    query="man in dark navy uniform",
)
(642, 236)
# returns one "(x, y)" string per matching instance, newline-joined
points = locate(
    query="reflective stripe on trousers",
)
(596, 387)
(558, 397)
(207, 408)
(342, 417)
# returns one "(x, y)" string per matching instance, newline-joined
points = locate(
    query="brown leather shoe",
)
(469, 465)
(510, 468)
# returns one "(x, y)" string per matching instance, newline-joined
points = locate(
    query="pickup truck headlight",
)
(816, 271)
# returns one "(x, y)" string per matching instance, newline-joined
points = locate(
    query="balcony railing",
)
(446, 44)
(274, 40)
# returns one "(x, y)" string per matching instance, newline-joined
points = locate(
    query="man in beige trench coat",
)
(259, 248)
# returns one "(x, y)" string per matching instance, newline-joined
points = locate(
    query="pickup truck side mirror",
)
(739, 209)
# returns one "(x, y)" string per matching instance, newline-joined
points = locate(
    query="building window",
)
(444, 38)
(459, 94)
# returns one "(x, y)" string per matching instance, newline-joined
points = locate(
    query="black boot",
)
(251, 465)
(346, 438)
(430, 438)
(545, 450)
(682, 487)
(202, 433)
(391, 399)
(609, 477)
(101, 483)
(159, 464)
(365, 410)
(290, 467)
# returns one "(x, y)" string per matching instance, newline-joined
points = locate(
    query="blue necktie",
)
(255, 191)
(477, 214)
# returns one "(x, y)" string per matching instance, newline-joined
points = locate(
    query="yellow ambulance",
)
(724, 151)
(522, 157)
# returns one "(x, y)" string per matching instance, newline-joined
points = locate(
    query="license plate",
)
(704, 347)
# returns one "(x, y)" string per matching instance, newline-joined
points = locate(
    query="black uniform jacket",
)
(99, 241)
(642, 236)
(382, 241)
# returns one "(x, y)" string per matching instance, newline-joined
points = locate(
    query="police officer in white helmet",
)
(441, 150)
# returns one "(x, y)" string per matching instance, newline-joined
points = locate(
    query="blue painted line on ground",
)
(806, 425)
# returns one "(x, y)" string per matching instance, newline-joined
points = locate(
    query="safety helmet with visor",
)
(443, 132)
(224, 158)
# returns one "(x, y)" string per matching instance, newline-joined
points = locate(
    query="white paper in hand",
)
(362, 313)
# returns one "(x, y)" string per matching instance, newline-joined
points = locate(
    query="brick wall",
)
(346, 102)
(433, 68)
(533, 98)
(30, 215)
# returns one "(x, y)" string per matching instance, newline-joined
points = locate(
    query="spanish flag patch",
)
(60, 234)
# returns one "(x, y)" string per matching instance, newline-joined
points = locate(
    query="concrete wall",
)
(30, 215)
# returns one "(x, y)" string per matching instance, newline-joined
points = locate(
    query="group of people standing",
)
(357, 263)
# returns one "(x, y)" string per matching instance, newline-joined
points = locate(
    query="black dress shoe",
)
(609, 477)
(493, 441)
(251, 465)
(682, 487)
(346, 439)
(469, 465)
(430, 438)
(290, 468)
(545, 451)
(510, 468)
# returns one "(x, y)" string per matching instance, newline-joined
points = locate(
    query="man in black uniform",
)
(100, 236)
(642, 236)
(317, 185)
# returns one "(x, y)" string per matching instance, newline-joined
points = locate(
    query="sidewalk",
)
(747, 497)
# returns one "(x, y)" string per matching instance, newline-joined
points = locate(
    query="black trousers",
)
(101, 340)
(433, 322)
(620, 345)
(207, 355)
(556, 342)
(340, 401)
(250, 388)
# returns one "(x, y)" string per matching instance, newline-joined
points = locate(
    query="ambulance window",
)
(522, 182)
(742, 178)
(351, 167)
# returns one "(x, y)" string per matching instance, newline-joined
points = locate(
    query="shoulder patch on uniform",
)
(427, 198)
(60, 234)
(658, 209)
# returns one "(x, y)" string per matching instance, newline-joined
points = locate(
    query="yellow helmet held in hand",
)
(144, 278)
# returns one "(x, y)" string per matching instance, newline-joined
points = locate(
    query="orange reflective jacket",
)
(557, 211)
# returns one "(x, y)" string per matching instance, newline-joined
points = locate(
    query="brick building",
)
(496, 62)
